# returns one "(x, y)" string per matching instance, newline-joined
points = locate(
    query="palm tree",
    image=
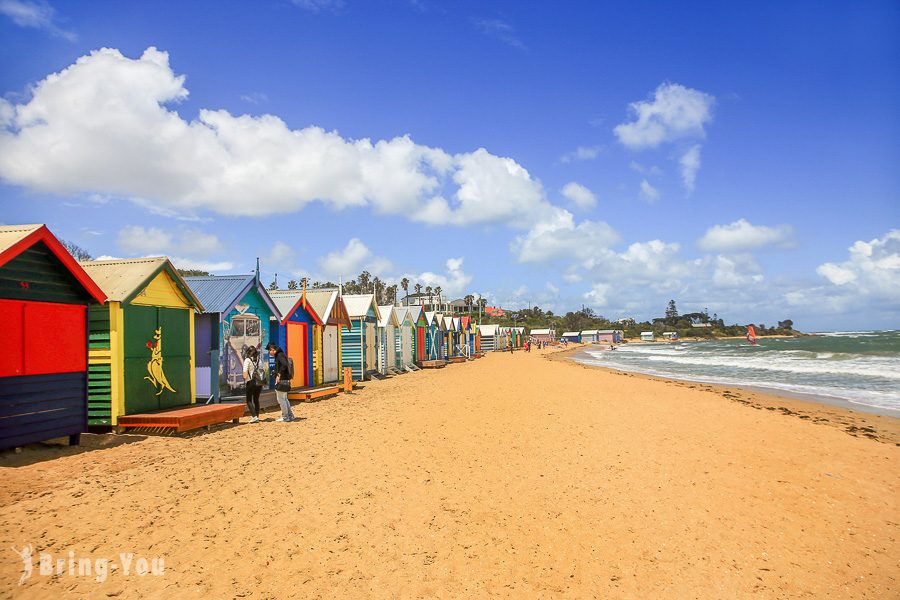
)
(469, 299)
(428, 290)
(404, 283)
(437, 291)
(292, 285)
(365, 278)
(418, 288)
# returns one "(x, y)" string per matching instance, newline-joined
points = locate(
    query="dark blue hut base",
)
(34, 408)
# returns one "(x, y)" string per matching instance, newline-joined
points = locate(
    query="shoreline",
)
(858, 421)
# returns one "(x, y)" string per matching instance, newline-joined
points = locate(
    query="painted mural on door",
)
(241, 329)
(157, 353)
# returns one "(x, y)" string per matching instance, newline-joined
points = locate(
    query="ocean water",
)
(857, 367)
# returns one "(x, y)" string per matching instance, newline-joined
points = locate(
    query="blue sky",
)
(741, 159)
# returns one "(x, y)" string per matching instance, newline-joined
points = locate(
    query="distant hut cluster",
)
(117, 343)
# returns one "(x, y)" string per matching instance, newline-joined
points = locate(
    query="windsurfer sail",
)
(751, 335)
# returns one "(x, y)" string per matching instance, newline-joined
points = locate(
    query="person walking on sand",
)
(282, 382)
(253, 382)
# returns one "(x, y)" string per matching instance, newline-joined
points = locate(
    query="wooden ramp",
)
(314, 393)
(433, 364)
(458, 359)
(185, 418)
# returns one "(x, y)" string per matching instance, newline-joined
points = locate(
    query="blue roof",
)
(219, 293)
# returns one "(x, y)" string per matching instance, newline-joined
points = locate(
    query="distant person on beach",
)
(253, 382)
(282, 382)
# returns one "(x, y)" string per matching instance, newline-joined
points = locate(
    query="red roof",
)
(20, 239)
(493, 311)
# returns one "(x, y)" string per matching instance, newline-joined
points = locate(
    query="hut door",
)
(420, 343)
(297, 338)
(330, 353)
(157, 358)
(371, 360)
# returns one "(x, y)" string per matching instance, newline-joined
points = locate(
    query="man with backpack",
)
(282, 381)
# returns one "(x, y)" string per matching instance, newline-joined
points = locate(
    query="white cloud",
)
(597, 295)
(674, 112)
(651, 170)
(581, 153)
(742, 235)
(255, 98)
(690, 164)
(138, 240)
(107, 125)
(354, 258)
(648, 192)
(453, 282)
(559, 238)
(736, 271)
(579, 195)
(201, 265)
(872, 268)
(36, 14)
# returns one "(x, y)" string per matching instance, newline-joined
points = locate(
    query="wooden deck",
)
(185, 418)
(433, 364)
(317, 393)
(458, 359)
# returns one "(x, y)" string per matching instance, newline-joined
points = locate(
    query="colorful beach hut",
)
(358, 343)
(614, 336)
(237, 315)
(387, 338)
(327, 365)
(434, 336)
(589, 336)
(420, 328)
(572, 337)
(295, 333)
(468, 335)
(449, 324)
(141, 341)
(44, 296)
(543, 335)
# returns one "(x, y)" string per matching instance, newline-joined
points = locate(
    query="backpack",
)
(290, 368)
(256, 376)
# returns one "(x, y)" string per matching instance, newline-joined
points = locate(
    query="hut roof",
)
(323, 301)
(414, 312)
(590, 332)
(220, 293)
(358, 305)
(571, 334)
(121, 280)
(488, 329)
(15, 239)
(541, 332)
(287, 301)
(387, 316)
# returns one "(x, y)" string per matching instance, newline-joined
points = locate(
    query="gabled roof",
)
(324, 302)
(541, 332)
(571, 334)
(590, 332)
(15, 239)
(403, 314)
(488, 329)
(387, 316)
(449, 324)
(220, 293)
(122, 280)
(358, 305)
(465, 322)
(287, 302)
(431, 317)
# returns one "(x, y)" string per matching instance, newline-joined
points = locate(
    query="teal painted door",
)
(157, 353)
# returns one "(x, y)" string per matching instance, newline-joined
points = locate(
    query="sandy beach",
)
(511, 476)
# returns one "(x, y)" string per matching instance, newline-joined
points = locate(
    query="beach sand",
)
(510, 476)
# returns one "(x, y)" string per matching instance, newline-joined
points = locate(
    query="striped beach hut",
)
(543, 335)
(468, 335)
(405, 338)
(44, 296)
(296, 332)
(358, 343)
(387, 338)
(490, 337)
(450, 327)
(434, 336)
(237, 314)
(420, 327)
(142, 340)
(327, 365)
(519, 336)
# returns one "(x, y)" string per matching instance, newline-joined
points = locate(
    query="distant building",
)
(670, 335)
(430, 302)
(647, 336)
(573, 337)
(626, 321)
(459, 307)
(493, 311)
(589, 336)
(701, 324)
(543, 335)
(613, 336)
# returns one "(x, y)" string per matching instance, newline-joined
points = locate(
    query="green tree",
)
(292, 285)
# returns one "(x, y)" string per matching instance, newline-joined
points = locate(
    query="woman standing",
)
(253, 384)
